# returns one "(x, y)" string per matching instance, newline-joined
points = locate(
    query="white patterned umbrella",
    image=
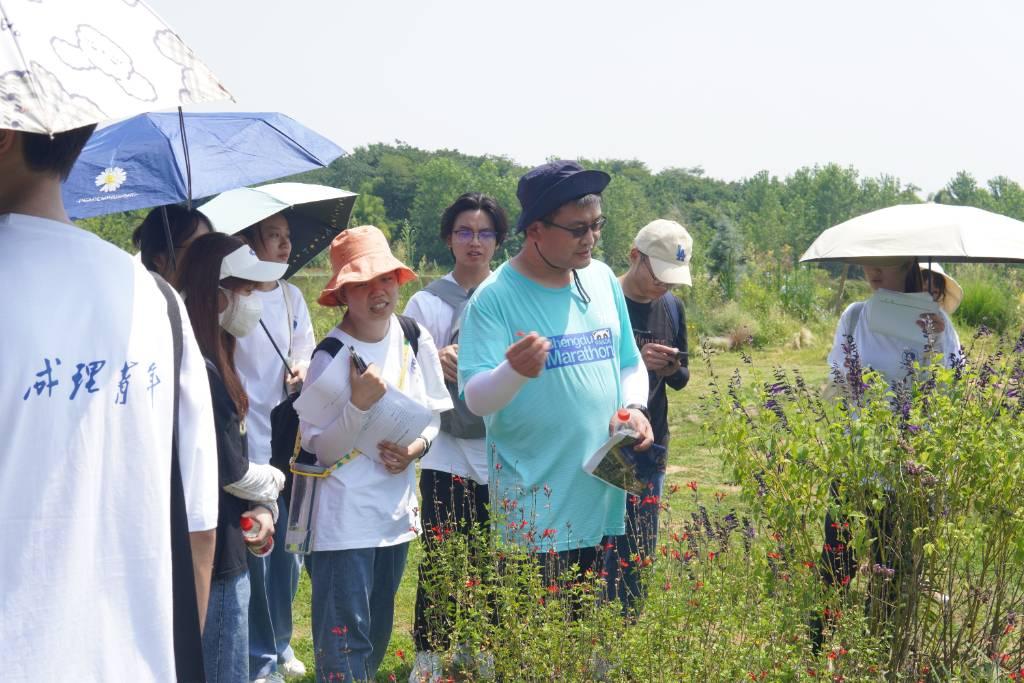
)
(70, 63)
(937, 232)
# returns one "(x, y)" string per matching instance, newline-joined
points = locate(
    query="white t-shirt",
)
(887, 355)
(260, 367)
(85, 477)
(464, 457)
(362, 505)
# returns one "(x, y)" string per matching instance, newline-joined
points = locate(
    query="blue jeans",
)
(354, 609)
(226, 634)
(275, 579)
(640, 539)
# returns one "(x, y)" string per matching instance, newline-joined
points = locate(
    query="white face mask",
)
(242, 314)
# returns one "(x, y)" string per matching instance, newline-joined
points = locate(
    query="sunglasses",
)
(582, 230)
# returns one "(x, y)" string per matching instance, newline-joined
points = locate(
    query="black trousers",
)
(450, 505)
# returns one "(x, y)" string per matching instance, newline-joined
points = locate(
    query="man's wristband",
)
(642, 409)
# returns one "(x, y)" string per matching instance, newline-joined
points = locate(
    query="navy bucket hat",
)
(545, 188)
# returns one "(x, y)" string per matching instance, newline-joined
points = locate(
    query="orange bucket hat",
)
(359, 255)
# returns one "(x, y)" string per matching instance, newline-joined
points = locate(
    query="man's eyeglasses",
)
(581, 230)
(465, 236)
(658, 283)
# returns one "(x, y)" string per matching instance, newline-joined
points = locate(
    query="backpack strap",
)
(455, 296)
(669, 301)
(411, 331)
(291, 317)
(851, 323)
(188, 644)
(329, 345)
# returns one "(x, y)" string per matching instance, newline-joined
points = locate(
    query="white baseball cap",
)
(244, 264)
(669, 248)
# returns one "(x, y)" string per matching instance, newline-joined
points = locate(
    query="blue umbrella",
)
(145, 161)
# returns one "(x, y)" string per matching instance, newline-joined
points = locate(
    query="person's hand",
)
(367, 388)
(396, 458)
(660, 359)
(528, 355)
(294, 379)
(266, 522)
(931, 323)
(639, 424)
(449, 356)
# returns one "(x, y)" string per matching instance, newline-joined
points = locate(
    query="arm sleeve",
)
(634, 385)
(303, 340)
(260, 484)
(681, 378)
(489, 391)
(197, 441)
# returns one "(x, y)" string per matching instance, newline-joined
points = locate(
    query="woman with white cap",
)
(217, 278)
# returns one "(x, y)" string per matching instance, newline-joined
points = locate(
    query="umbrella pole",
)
(170, 240)
(188, 165)
(287, 368)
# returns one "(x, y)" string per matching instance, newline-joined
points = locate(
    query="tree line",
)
(403, 190)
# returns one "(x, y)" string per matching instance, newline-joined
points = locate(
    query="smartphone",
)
(681, 355)
(357, 359)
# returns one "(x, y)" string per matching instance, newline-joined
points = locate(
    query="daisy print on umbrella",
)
(111, 179)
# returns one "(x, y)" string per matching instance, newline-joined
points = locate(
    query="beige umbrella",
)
(937, 232)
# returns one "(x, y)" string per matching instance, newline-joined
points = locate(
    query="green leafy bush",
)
(986, 303)
(926, 485)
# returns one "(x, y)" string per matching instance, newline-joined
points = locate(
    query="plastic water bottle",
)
(251, 529)
(621, 421)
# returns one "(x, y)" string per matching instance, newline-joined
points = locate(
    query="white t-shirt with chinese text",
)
(362, 505)
(463, 457)
(85, 477)
(262, 370)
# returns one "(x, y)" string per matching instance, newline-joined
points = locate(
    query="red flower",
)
(623, 563)
(650, 500)
(774, 555)
(470, 583)
(808, 564)
(720, 496)
(667, 586)
(844, 581)
(339, 630)
(552, 588)
(399, 654)
(674, 488)
(692, 485)
(549, 533)
(711, 556)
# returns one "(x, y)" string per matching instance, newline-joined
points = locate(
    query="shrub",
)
(986, 303)
(924, 484)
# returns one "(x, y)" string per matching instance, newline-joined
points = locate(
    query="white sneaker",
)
(292, 668)
(272, 677)
(426, 668)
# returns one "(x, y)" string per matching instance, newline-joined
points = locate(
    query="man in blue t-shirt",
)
(547, 356)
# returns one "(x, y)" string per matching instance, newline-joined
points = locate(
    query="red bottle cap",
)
(246, 523)
(623, 415)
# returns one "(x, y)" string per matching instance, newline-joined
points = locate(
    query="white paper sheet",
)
(394, 417)
(895, 314)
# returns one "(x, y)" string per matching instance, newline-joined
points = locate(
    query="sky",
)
(913, 89)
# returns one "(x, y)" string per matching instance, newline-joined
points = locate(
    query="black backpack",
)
(284, 421)
(459, 421)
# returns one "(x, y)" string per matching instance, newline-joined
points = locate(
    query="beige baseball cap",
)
(669, 248)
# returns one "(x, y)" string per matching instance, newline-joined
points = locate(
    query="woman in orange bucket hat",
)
(367, 512)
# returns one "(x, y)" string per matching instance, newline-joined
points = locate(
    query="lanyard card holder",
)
(302, 510)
